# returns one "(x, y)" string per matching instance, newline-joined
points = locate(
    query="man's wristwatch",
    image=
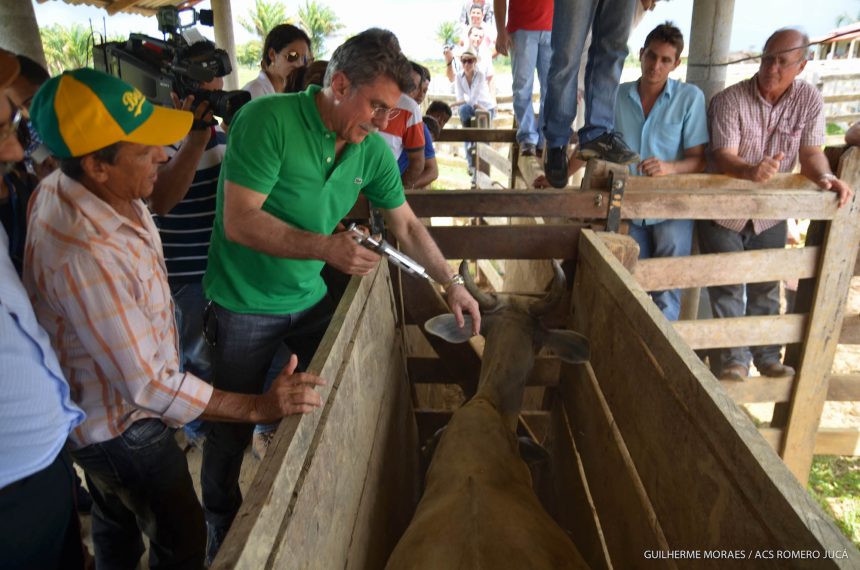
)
(455, 279)
(829, 177)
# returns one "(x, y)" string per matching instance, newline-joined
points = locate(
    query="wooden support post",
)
(824, 325)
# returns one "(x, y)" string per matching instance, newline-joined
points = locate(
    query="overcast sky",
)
(415, 21)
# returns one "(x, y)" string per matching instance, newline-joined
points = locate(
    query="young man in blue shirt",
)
(665, 122)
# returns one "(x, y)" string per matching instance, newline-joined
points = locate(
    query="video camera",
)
(180, 62)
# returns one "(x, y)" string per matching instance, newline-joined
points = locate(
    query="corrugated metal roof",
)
(145, 7)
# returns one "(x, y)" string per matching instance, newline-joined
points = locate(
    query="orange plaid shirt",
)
(99, 287)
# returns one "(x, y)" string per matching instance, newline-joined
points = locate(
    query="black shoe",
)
(609, 147)
(214, 538)
(555, 165)
(528, 149)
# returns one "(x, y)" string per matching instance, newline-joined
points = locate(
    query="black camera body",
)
(157, 67)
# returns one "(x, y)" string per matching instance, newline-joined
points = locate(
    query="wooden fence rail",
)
(825, 266)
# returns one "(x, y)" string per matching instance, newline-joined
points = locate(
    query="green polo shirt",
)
(278, 146)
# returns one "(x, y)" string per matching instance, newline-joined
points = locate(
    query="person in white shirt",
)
(473, 94)
(285, 49)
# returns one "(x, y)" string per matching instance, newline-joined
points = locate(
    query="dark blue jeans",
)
(244, 346)
(39, 527)
(140, 482)
(669, 238)
(728, 300)
(189, 303)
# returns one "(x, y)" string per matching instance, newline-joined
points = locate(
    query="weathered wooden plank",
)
(742, 331)
(843, 388)
(326, 504)
(850, 333)
(423, 370)
(507, 242)
(630, 525)
(566, 494)
(660, 202)
(757, 266)
(390, 491)
(486, 269)
(828, 441)
(713, 481)
(825, 323)
(530, 168)
(759, 389)
(477, 135)
(491, 156)
(259, 528)
(840, 388)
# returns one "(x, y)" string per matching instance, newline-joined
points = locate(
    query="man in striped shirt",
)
(759, 127)
(95, 271)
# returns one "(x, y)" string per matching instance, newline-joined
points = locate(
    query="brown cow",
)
(479, 510)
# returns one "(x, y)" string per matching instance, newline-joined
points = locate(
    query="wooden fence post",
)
(835, 270)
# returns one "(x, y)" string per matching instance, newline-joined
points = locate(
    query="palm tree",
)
(66, 48)
(264, 16)
(320, 22)
(248, 54)
(846, 18)
(448, 32)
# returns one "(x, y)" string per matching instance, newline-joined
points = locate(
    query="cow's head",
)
(514, 334)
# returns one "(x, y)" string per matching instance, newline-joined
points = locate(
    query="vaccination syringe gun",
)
(384, 248)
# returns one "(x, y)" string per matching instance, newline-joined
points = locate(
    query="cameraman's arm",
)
(176, 175)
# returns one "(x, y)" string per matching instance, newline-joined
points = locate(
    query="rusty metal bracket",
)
(616, 196)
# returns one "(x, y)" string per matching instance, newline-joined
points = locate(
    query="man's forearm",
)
(429, 174)
(231, 407)
(265, 233)
(176, 175)
(733, 165)
(414, 168)
(813, 164)
(417, 243)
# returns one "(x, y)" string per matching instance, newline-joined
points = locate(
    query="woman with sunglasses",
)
(285, 49)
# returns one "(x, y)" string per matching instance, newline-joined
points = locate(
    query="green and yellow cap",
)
(84, 110)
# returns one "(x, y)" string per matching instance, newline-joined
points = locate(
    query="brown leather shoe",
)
(775, 369)
(736, 372)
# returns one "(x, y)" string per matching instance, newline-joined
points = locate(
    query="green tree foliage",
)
(448, 32)
(264, 16)
(249, 53)
(320, 22)
(66, 47)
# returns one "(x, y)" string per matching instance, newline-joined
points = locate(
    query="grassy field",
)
(835, 483)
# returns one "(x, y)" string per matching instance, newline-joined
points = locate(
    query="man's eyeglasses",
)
(294, 56)
(381, 112)
(465, 61)
(11, 127)
(781, 62)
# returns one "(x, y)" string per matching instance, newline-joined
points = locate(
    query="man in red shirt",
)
(527, 38)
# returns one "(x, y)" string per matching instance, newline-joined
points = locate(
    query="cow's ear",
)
(445, 327)
(569, 346)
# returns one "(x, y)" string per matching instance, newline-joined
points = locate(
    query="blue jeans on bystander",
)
(610, 22)
(728, 300)
(669, 238)
(244, 346)
(140, 482)
(531, 50)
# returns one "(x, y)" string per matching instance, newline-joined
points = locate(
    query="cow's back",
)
(479, 509)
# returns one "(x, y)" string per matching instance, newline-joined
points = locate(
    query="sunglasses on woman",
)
(294, 56)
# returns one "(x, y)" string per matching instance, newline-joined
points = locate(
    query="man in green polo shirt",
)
(295, 165)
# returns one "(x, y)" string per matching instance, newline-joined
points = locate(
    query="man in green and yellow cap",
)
(96, 273)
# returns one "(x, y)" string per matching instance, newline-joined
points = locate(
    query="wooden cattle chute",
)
(812, 333)
(648, 452)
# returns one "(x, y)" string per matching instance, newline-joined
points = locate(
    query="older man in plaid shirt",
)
(96, 274)
(759, 127)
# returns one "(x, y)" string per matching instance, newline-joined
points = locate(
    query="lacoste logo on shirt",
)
(358, 180)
